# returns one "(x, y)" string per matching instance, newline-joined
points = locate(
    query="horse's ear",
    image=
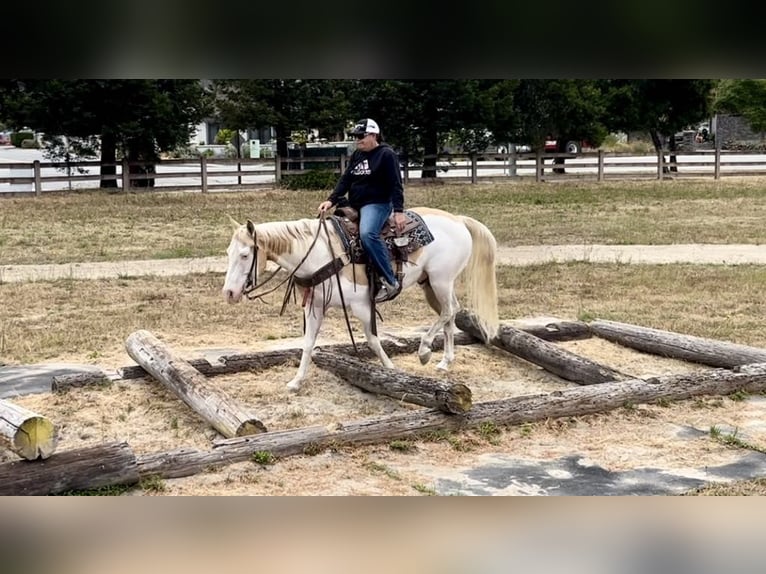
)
(250, 228)
(234, 223)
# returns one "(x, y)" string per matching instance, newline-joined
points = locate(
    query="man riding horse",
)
(374, 186)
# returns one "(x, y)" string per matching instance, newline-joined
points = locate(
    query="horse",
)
(462, 247)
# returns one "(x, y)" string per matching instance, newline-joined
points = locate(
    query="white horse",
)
(460, 245)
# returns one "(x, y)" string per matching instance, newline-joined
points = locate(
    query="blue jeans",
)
(371, 220)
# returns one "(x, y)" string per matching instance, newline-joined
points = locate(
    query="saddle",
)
(414, 235)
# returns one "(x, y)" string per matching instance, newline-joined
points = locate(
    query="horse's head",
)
(241, 266)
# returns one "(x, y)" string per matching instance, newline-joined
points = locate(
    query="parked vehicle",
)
(5, 138)
(551, 145)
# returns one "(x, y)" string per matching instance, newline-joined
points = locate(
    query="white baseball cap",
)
(365, 126)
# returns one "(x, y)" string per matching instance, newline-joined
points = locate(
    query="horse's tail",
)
(480, 279)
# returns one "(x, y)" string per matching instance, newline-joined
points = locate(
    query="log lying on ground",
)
(442, 395)
(709, 352)
(554, 330)
(575, 401)
(235, 363)
(60, 383)
(223, 413)
(26, 433)
(558, 361)
(202, 365)
(81, 469)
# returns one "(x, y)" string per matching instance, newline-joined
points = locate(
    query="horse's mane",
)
(278, 237)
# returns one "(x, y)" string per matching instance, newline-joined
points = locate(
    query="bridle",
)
(251, 283)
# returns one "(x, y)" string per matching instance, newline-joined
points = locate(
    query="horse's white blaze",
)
(460, 245)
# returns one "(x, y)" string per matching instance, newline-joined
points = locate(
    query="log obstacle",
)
(107, 464)
(425, 391)
(574, 401)
(553, 359)
(113, 464)
(711, 352)
(235, 363)
(26, 433)
(61, 383)
(223, 413)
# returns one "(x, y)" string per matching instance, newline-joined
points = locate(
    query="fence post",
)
(717, 168)
(38, 182)
(474, 167)
(539, 166)
(277, 168)
(203, 172)
(600, 165)
(125, 176)
(512, 161)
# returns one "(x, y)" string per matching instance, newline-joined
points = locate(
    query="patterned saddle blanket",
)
(414, 236)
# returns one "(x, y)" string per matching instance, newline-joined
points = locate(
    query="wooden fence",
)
(205, 174)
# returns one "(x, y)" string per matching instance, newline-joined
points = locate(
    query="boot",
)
(388, 291)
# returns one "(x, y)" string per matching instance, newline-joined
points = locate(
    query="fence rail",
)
(205, 174)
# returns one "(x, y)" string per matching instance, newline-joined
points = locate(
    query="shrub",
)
(30, 143)
(18, 137)
(224, 136)
(314, 179)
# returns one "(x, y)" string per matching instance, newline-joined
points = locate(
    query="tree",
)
(286, 105)
(417, 116)
(746, 98)
(659, 107)
(138, 118)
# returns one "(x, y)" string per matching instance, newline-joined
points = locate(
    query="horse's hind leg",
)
(449, 338)
(314, 315)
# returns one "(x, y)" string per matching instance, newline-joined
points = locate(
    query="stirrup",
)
(387, 292)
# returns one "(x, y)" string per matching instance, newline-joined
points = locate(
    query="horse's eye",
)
(244, 256)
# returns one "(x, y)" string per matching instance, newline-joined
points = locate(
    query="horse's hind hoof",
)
(424, 357)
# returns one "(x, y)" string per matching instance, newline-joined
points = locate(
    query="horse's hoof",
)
(293, 386)
(424, 357)
(443, 366)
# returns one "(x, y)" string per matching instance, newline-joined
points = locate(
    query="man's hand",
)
(401, 220)
(324, 206)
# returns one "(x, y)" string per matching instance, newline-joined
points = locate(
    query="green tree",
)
(658, 107)
(286, 105)
(418, 116)
(746, 98)
(138, 118)
(563, 110)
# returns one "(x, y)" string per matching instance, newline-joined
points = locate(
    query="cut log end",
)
(459, 400)
(35, 438)
(250, 427)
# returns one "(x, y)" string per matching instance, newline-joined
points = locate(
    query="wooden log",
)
(202, 365)
(575, 401)
(442, 395)
(553, 359)
(556, 330)
(259, 360)
(86, 468)
(711, 352)
(61, 383)
(25, 432)
(223, 413)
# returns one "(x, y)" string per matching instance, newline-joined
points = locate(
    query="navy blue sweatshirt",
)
(371, 177)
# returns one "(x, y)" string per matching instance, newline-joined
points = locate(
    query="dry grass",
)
(99, 226)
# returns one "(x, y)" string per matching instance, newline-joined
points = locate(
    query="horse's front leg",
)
(362, 312)
(314, 315)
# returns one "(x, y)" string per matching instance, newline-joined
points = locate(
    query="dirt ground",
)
(152, 419)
